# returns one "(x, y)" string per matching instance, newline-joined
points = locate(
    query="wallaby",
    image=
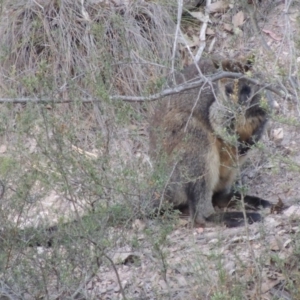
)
(202, 136)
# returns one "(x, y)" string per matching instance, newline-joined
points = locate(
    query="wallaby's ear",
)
(248, 62)
(241, 65)
(234, 66)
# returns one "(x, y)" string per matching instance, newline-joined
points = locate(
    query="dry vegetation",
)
(64, 49)
(68, 149)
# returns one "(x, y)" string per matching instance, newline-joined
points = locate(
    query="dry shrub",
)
(60, 49)
(51, 47)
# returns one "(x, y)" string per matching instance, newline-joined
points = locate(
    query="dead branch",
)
(166, 92)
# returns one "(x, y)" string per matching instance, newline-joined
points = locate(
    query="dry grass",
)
(50, 47)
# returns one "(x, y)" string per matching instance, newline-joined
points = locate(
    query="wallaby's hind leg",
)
(224, 199)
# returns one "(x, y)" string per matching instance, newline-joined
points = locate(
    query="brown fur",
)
(204, 135)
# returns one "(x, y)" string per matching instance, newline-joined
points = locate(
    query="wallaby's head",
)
(237, 100)
(237, 91)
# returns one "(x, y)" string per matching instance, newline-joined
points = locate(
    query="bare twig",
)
(251, 9)
(177, 32)
(167, 92)
(203, 32)
(117, 275)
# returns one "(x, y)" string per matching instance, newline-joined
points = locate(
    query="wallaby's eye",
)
(228, 90)
(245, 93)
(246, 90)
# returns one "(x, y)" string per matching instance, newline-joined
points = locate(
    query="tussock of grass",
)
(55, 46)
